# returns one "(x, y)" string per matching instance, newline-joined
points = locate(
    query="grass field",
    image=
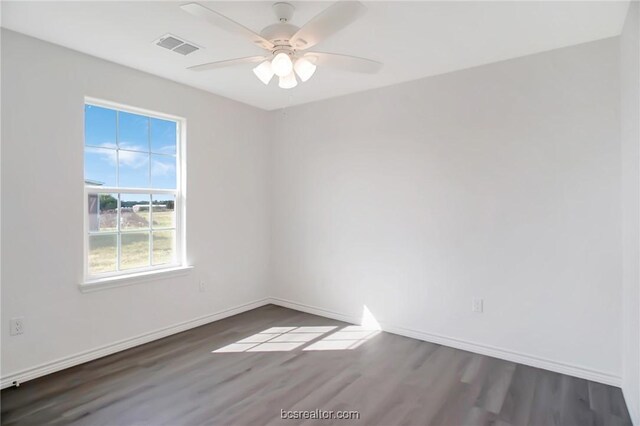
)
(163, 219)
(134, 247)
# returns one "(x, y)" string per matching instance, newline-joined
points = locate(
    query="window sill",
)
(135, 278)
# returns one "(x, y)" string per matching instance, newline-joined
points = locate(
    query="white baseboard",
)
(314, 310)
(82, 357)
(492, 351)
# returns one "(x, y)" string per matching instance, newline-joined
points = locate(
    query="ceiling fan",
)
(287, 44)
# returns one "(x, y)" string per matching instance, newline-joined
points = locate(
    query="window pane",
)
(163, 136)
(127, 150)
(102, 253)
(134, 250)
(163, 171)
(163, 211)
(133, 132)
(134, 211)
(99, 126)
(163, 247)
(103, 213)
(99, 166)
(134, 169)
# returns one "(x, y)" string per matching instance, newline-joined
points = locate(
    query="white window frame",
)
(125, 277)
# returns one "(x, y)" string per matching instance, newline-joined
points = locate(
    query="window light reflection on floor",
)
(279, 339)
(347, 338)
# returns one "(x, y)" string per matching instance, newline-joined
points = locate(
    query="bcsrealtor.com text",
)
(319, 414)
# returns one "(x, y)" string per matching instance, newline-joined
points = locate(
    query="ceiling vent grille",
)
(176, 44)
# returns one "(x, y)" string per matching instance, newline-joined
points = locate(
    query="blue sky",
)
(146, 149)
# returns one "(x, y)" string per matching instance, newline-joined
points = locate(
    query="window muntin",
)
(132, 191)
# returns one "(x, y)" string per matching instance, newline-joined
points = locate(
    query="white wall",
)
(43, 89)
(500, 182)
(630, 136)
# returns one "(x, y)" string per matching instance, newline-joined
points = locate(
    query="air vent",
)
(185, 49)
(176, 44)
(169, 42)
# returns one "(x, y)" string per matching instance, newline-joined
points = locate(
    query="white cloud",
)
(162, 169)
(134, 160)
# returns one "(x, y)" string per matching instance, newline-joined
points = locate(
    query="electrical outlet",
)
(201, 287)
(17, 326)
(476, 305)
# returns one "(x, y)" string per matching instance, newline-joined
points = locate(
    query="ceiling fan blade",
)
(221, 21)
(326, 23)
(228, 63)
(345, 62)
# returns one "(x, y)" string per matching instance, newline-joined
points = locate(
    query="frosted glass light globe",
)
(264, 72)
(288, 81)
(282, 65)
(304, 69)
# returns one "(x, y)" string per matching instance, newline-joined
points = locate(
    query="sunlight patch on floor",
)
(349, 337)
(277, 339)
(282, 339)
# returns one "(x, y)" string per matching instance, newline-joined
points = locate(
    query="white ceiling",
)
(413, 39)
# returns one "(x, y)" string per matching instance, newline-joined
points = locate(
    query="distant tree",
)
(108, 202)
(170, 204)
(134, 203)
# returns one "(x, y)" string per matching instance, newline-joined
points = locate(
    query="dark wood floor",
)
(273, 359)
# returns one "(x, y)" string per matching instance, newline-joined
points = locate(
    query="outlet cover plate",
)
(17, 326)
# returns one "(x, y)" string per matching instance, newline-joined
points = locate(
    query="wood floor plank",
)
(618, 405)
(546, 405)
(496, 386)
(518, 401)
(387, 379)
(575, 410)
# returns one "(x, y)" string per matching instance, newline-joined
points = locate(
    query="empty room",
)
(320, 213)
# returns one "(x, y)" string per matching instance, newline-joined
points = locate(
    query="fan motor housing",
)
(279, 34)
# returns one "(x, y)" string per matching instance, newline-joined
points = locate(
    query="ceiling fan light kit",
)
(288, 81)
(264, 72)
(286, 43)
(304, 68)
(281, 64)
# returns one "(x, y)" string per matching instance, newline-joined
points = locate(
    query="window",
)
(132, 177)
